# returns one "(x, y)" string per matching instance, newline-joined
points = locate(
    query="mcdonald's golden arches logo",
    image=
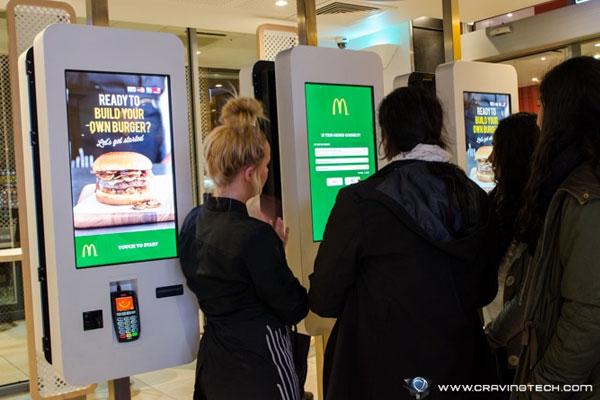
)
(338, 106)
(89, 250)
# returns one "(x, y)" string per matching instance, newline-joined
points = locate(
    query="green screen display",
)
(341, 144)
(122, 168)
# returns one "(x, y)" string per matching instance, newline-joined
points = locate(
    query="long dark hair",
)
(514, 142)
(570, 134)
(413, 115)
(409, 116)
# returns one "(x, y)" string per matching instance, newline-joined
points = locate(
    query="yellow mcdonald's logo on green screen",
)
(339, 105)
(89, 250)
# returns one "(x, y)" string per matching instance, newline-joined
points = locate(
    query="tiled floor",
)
(13, 353)
(172, 383)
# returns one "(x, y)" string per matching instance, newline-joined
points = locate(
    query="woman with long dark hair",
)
(405, 263)
(514, 143)
(561, 219)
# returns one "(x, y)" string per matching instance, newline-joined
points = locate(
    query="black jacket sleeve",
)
(337, 261)
(273, 280)
(188, 247)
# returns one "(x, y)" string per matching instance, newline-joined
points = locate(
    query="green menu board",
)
(341, 144)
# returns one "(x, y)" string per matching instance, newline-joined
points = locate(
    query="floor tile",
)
(169, 375)
(9, 373)
(181, 390)
(169, 384)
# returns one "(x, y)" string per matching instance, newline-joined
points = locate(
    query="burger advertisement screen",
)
(341, 144)
(121, 163)
(483, 113)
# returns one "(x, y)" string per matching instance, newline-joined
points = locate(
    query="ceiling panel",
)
(246, 15)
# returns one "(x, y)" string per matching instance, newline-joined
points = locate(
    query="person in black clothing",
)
(237, 268)
(406, 262)
(514, 143)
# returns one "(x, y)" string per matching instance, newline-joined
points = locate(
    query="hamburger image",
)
(485, 172)
(122, 178)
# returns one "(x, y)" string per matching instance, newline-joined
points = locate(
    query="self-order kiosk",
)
(108, 165)
(476, 96)
(326, 101)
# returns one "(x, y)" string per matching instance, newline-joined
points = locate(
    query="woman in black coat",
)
(406, 262)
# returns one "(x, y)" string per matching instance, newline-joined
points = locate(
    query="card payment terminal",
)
(125, 315)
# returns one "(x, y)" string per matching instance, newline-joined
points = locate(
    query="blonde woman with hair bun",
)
(236, 266)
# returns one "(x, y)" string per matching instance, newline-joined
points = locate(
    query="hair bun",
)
(239, 112)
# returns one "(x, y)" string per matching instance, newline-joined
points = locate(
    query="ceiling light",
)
(281, 3)
(509, 15)
(597, 56)
(535, 79)
(198, 52)
(218, 85)
(597, 44)
(543, 58)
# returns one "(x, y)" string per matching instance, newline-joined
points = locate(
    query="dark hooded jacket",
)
(404, 269)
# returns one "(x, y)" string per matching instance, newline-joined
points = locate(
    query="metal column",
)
(97, 12)
(452, 49)
(307, 22)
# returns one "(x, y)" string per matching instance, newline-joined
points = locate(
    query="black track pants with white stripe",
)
(252, 364)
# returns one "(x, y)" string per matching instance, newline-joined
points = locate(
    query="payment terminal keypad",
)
(125, 316)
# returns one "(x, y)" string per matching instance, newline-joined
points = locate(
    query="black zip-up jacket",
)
(236, 266)
(405, 270)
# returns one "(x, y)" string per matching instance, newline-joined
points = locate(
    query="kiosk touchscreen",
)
(121, 167)
(483, 112)
(258, 81)
(341, 144)
(263, 84)
(110, 168)
(326, 102)
(476, 96)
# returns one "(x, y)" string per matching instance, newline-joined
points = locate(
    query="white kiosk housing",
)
(476, 96)
(328, 138)
(110, 169)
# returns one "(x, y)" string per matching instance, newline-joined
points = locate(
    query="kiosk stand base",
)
(119, 389)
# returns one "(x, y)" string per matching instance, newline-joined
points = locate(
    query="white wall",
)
(393, 45)
(541, 32)
(396, 61)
